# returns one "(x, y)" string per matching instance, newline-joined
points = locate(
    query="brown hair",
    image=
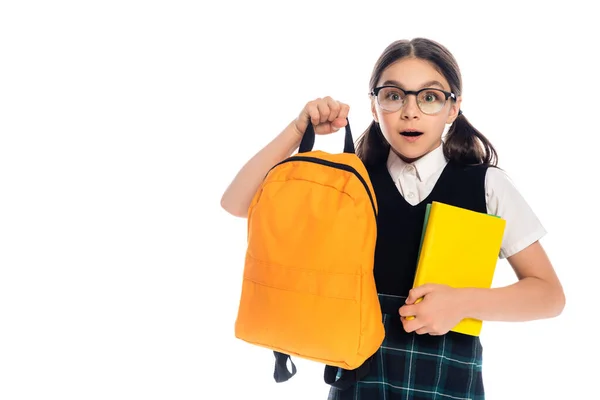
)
(464, 144)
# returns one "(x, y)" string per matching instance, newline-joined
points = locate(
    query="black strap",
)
(347, 377)
(308, 139)
(282, 373)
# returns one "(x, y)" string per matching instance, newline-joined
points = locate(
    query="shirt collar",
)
(424, 166)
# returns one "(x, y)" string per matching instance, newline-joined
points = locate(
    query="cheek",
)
(435, 125)
(387, 124)
(379, 116)
(440, 126)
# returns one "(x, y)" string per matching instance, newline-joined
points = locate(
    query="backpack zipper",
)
(334, 165)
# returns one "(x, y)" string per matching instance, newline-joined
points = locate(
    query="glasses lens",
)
(390, 99)
(431, 101)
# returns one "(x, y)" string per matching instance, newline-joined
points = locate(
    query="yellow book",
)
(459, 248)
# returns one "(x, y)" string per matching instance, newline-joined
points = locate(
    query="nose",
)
(410, 109)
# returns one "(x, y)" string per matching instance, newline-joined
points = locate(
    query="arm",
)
(538, 293)
(239, 193)
(326, 116)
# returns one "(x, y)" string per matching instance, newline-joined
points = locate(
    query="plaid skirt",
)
(409, 366)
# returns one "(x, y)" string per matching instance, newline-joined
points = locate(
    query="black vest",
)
(400, 225)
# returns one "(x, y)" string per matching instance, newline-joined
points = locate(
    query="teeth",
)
(411, 133)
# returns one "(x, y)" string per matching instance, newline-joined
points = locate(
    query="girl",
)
(415, 93)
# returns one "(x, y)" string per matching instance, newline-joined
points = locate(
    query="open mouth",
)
(411, 133)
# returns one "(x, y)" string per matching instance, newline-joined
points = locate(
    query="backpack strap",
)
(308, 139)
(282, 373)
(347, 377)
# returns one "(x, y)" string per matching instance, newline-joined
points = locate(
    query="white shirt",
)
(416, 180)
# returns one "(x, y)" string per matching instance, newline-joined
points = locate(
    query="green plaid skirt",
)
(409, 366)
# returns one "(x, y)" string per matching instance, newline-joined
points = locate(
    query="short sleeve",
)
(523, 227)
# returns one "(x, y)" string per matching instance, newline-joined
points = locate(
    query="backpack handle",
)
(308, 139)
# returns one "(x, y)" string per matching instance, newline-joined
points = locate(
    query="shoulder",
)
(464, 171)
(500, 187)
(470, 170)
(505, 200)
(468, 177)
(497, 178)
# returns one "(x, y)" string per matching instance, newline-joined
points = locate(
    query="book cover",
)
(459, 248)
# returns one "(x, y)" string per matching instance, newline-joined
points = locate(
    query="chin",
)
(409, 154)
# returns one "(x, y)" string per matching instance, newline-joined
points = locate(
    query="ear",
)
(374, 110)
(454, 108)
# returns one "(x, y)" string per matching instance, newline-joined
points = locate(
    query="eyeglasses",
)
(429, 100)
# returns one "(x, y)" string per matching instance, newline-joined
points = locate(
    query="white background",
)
(123, 122)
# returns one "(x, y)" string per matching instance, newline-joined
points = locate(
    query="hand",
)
(436, 309)
(326, 115)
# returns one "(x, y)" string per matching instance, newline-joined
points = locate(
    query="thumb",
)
(339, 123)
(326, 128)
(330, 127)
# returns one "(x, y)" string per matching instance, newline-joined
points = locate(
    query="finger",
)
(412, 324)
(412, 296)
(407, 311)
(411, 299)
(420, 291)
(422, 331)
(324, 128)
(344, 111)
(342, 119)
(313, 113)
(334, 108)
(324, 111)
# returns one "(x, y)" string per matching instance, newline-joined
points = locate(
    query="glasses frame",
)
(375, 92)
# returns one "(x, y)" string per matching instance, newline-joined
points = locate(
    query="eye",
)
(430, 97)
(390, 94)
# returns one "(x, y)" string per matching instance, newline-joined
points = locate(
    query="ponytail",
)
(467, 146)
(371, 146)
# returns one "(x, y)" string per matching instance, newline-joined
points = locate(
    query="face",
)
(410, 132)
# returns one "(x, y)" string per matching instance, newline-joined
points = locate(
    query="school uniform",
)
(409, 365)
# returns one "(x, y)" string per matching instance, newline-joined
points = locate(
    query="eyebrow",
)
(426, 84)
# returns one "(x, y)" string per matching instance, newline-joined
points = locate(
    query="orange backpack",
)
(308, 288)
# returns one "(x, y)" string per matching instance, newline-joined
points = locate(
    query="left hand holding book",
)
(432, 308)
